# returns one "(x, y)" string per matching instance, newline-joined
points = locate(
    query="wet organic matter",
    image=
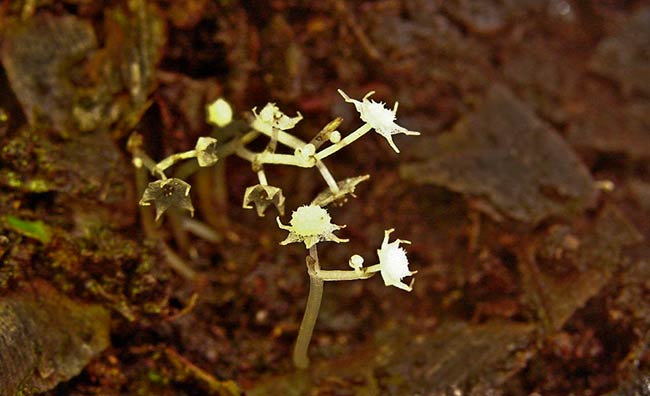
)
(526, 197)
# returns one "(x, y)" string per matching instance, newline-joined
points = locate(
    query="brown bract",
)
(168, 193)
(262, 196)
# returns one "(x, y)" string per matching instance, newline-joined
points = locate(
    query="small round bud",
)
(356, 262)
(306, 151)
(219, 113)
(335, 137)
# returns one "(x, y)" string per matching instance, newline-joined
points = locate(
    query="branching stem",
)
(300, 357)
(317, 277)
(327, 176)
(365, 128)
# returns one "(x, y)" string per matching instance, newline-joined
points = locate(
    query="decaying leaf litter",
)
(526, 198)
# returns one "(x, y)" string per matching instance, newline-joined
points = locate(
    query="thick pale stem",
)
(177, 263)
(325, 133)
(146, 215)
(283, 137)
(329, 179)
(174, 158)
(261, 176)
(140, 158)
(342, 275)
(365, 128)
(273, 143)
(245, 154)
(283, 159)
(179, 233)
(300, 356)
(232, 146)
(201, 230)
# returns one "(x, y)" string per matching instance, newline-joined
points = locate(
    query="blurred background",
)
(526, 198)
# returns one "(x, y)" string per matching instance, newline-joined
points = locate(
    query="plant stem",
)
(146, 215)
(325, 133)
(362, 130)
(177, 264)
(300, 358)
(261, 176)
(347, 275)
(174, 158)
(283, 137)
(327, 176)
(283, 159)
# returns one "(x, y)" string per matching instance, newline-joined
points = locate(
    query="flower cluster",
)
(312, 224)
(309, 224)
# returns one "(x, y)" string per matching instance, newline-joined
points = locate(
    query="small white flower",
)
(381, 119)
(310, 224)
(271, 116)
(393, 263)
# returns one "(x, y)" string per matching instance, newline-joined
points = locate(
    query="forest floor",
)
(526, 198)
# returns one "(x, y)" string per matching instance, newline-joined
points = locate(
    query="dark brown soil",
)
(526, 198)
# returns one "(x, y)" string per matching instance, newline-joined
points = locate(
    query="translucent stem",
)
(261, 176)
(273, 143)
(174, 158)
(140, 158)
(152, 166)
(365, 128)
(342, 275)
(300, 358)
(146, 215)
(329, 179)
(245, 154)
(177, 263)
(325, 133)
(283, 137)
(283, 159)
(179, 233)
(232, 146)
(201, 230)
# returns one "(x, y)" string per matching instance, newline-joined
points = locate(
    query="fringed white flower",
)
(310, 224)
(393, 263)
(381, 119)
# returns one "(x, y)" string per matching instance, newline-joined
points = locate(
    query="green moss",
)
(36, 185)
(13, 180)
